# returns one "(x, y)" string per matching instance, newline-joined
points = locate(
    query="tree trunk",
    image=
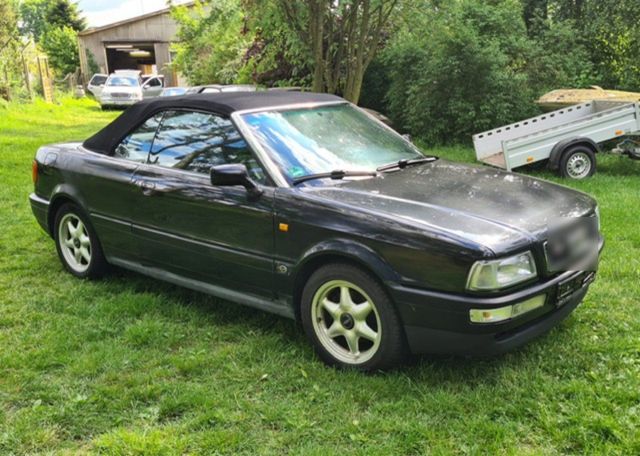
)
(356, 68)
(316, 25)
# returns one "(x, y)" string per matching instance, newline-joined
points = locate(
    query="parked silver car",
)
(124, 88)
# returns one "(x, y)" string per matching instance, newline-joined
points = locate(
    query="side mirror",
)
(234, 174)
(407, 137)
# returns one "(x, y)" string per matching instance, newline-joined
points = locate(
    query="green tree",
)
(613, 37)
(265, 40)
(10, 44)
(8, 29)
(607, 28)
(33, 14)
(342, 38)
(64, 13)
(211, 42)
(61, 46)
(478, 67)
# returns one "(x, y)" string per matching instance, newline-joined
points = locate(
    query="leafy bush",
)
(211, 42)
(61, 46)
(470, 65)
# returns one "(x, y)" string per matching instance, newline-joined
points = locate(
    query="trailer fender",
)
(560, 147)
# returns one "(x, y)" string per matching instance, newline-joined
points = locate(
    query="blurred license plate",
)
(568, 287)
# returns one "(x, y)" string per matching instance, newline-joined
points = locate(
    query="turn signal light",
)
(34, 172)
(507, 312)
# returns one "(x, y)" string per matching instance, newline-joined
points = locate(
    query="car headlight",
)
(502, 273)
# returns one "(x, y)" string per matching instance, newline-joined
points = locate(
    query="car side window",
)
(137, 145)
(154, 82)
(196, 141)
(97, 80)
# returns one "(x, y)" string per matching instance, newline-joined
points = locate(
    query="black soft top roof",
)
(224, 103)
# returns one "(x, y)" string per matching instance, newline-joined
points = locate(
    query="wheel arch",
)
(562, 146)
(339, 251)
(61, 195)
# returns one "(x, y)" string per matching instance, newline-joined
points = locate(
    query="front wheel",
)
(350, 319)
(77, 243)
(578, 162)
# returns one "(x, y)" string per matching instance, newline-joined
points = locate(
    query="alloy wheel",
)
(75, 243)
(346, 321)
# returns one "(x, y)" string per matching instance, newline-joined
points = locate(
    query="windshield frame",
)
(275, 171)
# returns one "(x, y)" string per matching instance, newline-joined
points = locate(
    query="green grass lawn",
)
(131, 365)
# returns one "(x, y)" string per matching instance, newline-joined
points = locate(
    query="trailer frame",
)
(534, 139)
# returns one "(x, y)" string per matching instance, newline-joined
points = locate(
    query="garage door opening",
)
(131, 56)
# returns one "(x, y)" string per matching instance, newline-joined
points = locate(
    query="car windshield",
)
(326, 138)
(121, 81)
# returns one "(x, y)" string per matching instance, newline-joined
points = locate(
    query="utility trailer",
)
(567, 138)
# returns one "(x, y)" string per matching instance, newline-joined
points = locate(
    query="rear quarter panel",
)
(98, 184)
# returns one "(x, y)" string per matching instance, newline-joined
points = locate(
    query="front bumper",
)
(115, 103)
(501, 340)
(438, 323)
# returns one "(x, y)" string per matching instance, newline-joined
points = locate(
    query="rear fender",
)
(62, 193)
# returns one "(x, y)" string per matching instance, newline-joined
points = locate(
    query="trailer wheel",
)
(578, 162)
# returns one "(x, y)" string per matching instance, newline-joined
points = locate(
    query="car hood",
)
(494, 209)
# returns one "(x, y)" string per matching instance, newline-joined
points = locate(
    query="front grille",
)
(120, 95)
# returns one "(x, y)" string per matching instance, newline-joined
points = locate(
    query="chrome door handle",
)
(148, 188)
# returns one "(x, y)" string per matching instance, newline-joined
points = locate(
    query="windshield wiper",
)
(401, 164)
(336, 174)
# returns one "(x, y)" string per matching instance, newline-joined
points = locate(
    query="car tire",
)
(77, 243)
(578, 162)
(351, 320)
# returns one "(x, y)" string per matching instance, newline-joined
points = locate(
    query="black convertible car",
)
(304, 205)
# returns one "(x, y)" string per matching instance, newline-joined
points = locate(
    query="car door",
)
(96, 84)
(189, 227)
(108, 190)
(152, 87)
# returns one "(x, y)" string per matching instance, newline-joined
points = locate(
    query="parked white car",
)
(125, 88)
(96, 83)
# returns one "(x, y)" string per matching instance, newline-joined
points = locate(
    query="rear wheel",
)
(578, 162)
(77, 243)
(350, 319)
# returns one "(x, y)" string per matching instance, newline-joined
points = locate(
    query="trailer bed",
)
(496, 160)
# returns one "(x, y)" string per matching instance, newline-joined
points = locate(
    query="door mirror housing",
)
(234, 174)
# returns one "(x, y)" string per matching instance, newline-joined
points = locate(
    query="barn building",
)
(141, 43)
